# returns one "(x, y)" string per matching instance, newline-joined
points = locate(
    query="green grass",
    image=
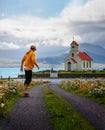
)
(62, 115)
(72, 72)
(100, 100)
(9, 105)
(83, 72)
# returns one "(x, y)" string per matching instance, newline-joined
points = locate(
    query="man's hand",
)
(37, 66)
(21, 68)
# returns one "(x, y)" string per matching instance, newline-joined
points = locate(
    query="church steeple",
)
(74, 48)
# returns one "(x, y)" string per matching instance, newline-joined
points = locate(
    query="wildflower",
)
(1, 95)
(2, 105)
(1, 86)
(13, 90)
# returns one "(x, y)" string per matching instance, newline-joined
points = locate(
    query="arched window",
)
(69, 66)
(72, 54)
(90, 64)
(87, 64)
(84, 64)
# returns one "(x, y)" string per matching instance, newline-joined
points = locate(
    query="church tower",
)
(74, 49)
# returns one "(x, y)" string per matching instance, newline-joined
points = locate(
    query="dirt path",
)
(92, 111)
(29, 113)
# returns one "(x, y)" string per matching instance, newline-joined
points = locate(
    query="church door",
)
(69, 66)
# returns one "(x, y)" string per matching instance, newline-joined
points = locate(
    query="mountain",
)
(97, 53)
(53, 60)
(95, 49)
(52, 55)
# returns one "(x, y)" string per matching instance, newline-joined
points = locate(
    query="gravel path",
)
(92, 111)
(29, 113)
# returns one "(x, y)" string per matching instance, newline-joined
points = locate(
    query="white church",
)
(76, 60)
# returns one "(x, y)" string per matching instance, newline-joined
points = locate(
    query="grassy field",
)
(72, 72)
(69, 74)
(62, 114)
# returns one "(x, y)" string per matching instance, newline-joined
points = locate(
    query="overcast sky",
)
(51, 22)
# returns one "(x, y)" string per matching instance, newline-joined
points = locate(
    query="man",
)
(28, 61)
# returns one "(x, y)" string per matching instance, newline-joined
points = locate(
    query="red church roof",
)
(73, 60)
(74, 42)
(84, 56)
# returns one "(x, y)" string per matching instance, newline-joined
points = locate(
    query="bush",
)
(8, 93)
(95, 88)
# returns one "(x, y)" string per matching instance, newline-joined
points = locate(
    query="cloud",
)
(86, 22)
(6, 45)
(45, 31)
(92, 11)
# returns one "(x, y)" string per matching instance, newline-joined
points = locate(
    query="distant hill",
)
(97, 53)
(53, 60)
(52, 55)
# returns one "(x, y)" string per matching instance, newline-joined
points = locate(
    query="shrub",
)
(95, 88)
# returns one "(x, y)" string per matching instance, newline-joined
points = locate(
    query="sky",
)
(51, 22)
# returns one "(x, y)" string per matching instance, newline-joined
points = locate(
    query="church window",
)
(87, 64)
(84, 64)
(73, 47)
(90, 64)
(69, 66)
(72, 54)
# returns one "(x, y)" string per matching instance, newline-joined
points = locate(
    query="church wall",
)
(65, 66)
(79, 65)
(73, 67)
(86, 65)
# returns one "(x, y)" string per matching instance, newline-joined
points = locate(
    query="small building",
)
(76, 60)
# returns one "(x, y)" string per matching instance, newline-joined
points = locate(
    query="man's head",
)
(33, 47)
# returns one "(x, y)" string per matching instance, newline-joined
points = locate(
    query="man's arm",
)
(22, 62)
(34, 60)
(21, 67)
(37, 66)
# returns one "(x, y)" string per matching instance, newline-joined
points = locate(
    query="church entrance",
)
(69, 66)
